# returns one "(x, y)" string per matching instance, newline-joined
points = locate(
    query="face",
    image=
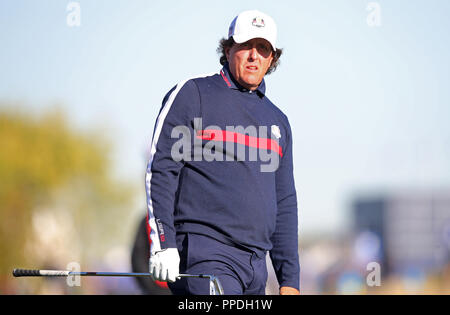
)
(250, 61)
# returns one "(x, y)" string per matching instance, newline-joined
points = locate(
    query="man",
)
(220, 197)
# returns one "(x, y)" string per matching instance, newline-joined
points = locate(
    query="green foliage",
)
(46, 164)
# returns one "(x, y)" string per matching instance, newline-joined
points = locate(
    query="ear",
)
(227, 52)
(272, 59)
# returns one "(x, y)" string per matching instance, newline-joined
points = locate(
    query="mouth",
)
(251, 68)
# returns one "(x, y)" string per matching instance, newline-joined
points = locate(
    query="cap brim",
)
(244, 38)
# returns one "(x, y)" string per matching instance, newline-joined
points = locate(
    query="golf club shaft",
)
(65, 273)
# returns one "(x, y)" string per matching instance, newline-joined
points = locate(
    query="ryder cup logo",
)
(276, 131)
(258, 22)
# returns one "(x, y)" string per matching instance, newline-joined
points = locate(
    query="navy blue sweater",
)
(221, 165)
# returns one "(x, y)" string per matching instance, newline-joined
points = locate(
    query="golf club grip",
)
(40, 273)
(26, 273)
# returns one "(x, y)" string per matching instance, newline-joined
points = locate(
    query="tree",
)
(58, 198)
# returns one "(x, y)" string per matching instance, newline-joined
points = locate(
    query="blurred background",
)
(365, 87)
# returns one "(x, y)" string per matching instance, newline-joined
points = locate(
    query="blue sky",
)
(369, 106)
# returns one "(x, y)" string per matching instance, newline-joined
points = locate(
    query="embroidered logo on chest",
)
(276, 131)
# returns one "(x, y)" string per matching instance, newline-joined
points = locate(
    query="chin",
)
(254, 82)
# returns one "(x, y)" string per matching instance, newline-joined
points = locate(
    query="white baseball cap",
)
(253, 24)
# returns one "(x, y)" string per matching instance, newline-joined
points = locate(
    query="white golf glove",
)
(165, 265)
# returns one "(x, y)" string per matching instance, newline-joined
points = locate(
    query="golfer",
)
(219, 182)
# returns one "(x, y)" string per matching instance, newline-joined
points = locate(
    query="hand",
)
(165, 265)
(289, 291)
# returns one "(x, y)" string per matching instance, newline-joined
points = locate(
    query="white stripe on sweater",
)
(156, 245)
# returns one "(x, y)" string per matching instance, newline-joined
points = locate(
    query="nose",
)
(253, 53)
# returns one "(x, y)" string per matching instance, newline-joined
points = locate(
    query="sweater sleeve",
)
(284, 254)
(170, 146)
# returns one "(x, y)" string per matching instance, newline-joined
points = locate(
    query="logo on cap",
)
(258, 22)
